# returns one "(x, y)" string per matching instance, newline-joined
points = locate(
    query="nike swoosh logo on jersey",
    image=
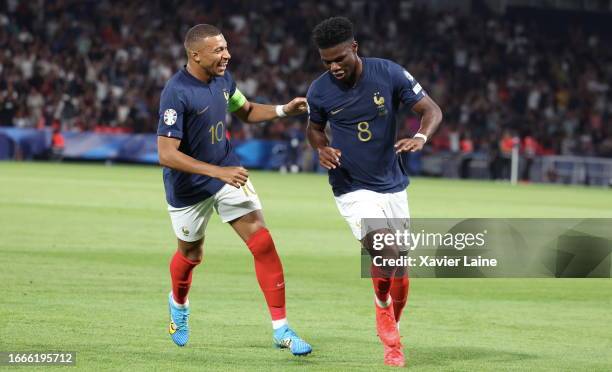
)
(334, 112)
(203, 110)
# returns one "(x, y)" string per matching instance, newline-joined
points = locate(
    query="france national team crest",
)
(170, 117)
(380, 103)
(185, 230)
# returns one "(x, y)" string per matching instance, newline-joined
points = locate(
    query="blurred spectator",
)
(530, 149)
(467, 150)
(57, 144)
(501, 157)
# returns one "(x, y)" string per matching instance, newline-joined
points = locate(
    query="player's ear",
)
(354, 46)
(195, 55)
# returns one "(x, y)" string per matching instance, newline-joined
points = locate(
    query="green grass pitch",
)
(84, 253)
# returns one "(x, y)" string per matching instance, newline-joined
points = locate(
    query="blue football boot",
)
(179, 328)
(284, 337)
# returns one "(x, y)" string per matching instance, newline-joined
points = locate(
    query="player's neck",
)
(198, 73)
(358, 71)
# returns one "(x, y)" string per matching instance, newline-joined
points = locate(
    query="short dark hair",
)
(199, 32)
(332, 31)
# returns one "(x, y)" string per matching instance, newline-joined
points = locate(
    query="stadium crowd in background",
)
(64, 65)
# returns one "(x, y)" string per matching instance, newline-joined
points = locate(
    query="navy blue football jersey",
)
(363, 126)
(195, 112)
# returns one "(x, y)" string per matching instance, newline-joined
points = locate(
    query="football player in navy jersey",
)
(202, 172)
(359, 98)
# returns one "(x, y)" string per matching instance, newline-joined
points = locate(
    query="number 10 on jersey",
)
(216, 133)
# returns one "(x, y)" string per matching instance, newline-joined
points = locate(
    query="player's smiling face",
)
(212, 55)
(341, 60)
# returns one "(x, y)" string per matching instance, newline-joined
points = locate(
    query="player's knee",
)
(390, 252)
(192, 250)
(381, 259)
(261, 243)
(393, 252)
(400, 272)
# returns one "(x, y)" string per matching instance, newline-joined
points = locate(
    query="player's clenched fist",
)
(235, 176)
(329, 157)
(297, 106)
(409, 144)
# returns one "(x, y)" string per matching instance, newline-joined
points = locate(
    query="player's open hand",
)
(297, 106)
(409, 144)
(329, 157)
(235, 176)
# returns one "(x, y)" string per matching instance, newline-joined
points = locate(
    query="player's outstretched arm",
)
(251, 112)
(329, 157)
(431, 116)
(171, 157)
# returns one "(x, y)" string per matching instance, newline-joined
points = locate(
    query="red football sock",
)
(180, 271)
(381, 279)
(269, 271)
(399, 294)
